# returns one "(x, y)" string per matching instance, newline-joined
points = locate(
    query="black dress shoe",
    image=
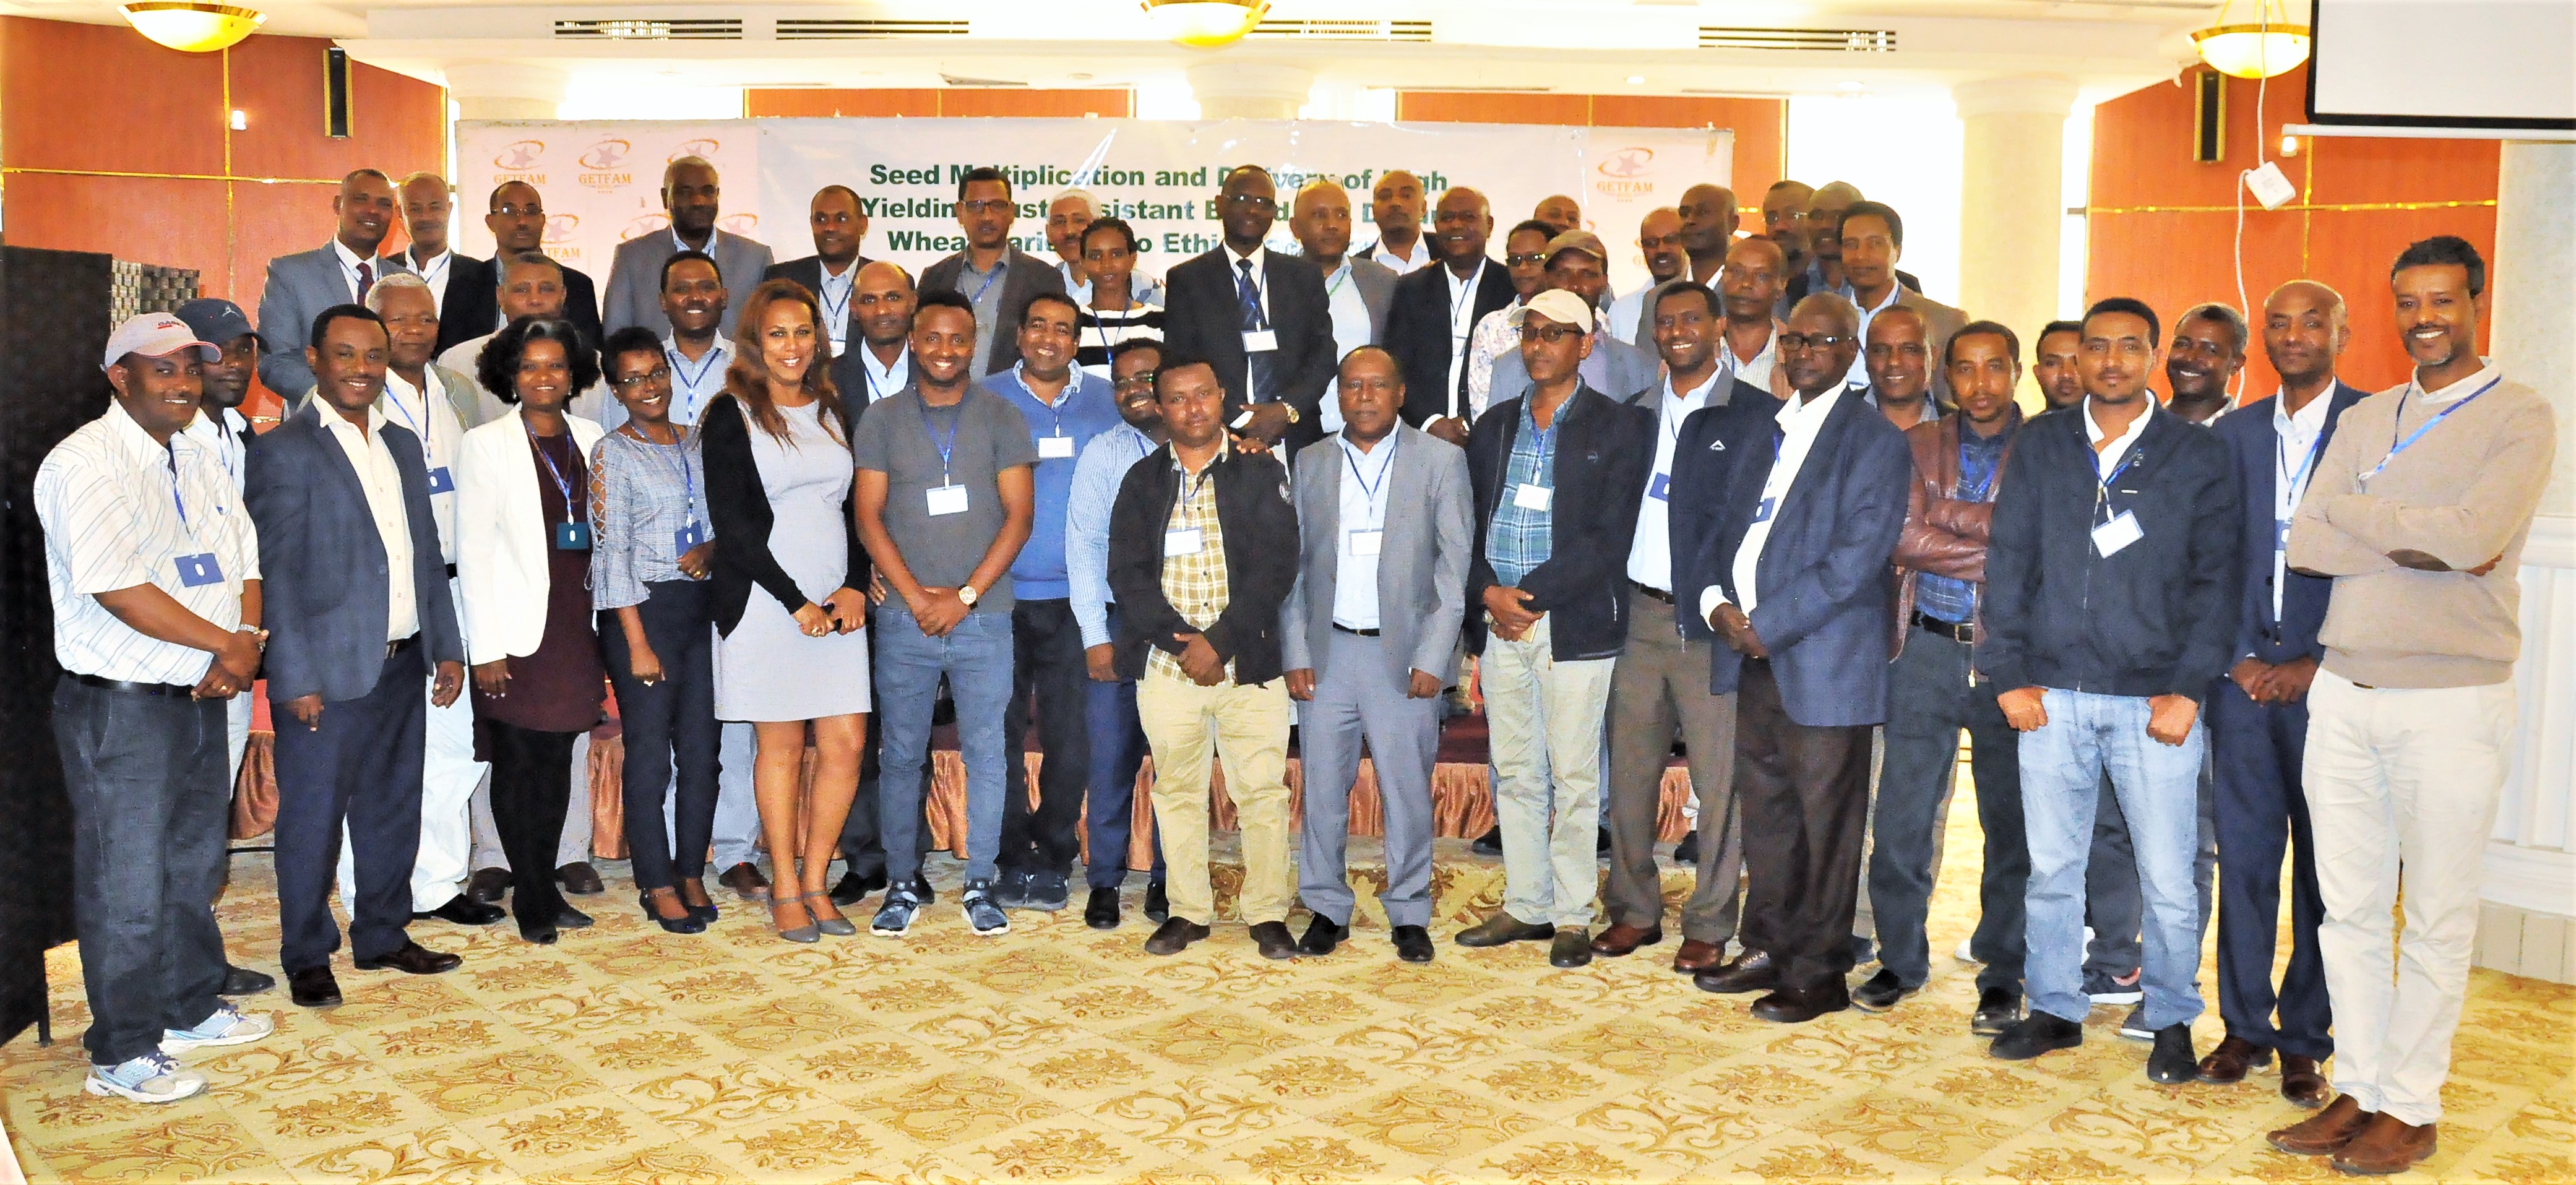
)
(1751, 971)
(1100, 912)
(1413, 944)
(1881, 992)
(1158, 904)
(855, 888)
(2036, 1034)
(2172, 1060)
(1175, 936)
(313, 987)
(1997, 1010)
(411, 958)
(1572, 947)
(1789, 1006)
(462, 910)
(488, 885)
(540, 933)
(568, 918)
(1501, 927)
(580, 879)
(1272, 939)
(1322, 936)
(242, 981)
(1490, 843)
(1601, 843)
(1687, 851)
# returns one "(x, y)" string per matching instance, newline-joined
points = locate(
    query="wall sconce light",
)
(240, 120)
(193, 26)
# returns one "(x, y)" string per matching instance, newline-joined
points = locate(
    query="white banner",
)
(601, 180)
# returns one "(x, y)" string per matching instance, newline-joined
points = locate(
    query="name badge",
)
(441, 481)
(1055, 447)
(1184, 541)
(572, 536)
(946, 500)
(1256, 341)
(1661, 488)
(1762, 511)
(688, 537)
(2121, 531)
(1532, 497)
(2281, 537)
(199, 570)
(1366, 542)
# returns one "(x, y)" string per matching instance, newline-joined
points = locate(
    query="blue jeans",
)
(1117, 753)
(2158, 786)
(976, 658)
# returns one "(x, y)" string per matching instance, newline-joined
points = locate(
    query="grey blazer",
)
(322, 564)
(299, 287)
(1422, 562)
(1376, 282)
(1634, 372)
(1022, 280)
(635, 279)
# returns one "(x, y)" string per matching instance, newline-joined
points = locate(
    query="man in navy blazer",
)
(2258, 713)
(1793, 575)
(350, 560)
(1273, 355)
(338, 272)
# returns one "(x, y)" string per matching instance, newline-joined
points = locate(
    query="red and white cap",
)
(156, 335)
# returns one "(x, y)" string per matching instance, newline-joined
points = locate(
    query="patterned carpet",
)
(1058, 1053)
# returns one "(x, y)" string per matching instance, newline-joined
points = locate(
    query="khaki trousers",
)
(1247, 727)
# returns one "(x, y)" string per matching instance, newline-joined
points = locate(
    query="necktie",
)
(366, 280)
(1249, 293)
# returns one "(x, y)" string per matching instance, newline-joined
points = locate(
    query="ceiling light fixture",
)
(193, 26)
(1206, 24)
(1636, 80)
(2267, 47)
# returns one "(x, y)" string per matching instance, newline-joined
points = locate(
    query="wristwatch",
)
(966, 595)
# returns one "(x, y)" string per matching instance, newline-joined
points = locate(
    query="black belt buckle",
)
(161, 689)
(394, 648)
(1358, 633)
(1960, 632)
(1652, 592)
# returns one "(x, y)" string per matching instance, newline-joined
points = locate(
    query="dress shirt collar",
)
(1418, 257)
(679, 244)
(400, 390)
(1224, 452)
(1259, 258)
(1770, 347)
(2310, 419)
(2487, 371)
(721, 349)
(1795, 416)
(1376, 456)
(1895, 292)
(1685, 402)
(884, 379)
(349, 260)
(333, 421)
(2105, 459)
(1072, 385)
(434, 267)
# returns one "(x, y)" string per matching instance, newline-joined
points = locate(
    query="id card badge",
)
(573, 536)
(688, 537)
(1184, 541)
(2281, 537)
(1055, 448)
(949, 499)
(1257, 341)
(2116, 534)
(1660, 489)
(1762, 511)
(1366, 542)
(1528, 496)
(441, 481)
(200, 570)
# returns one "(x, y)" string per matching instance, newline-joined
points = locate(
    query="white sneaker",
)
(152, 1078)
(228, 1026)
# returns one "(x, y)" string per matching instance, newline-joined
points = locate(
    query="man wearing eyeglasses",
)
(1578, 263)
(517, 221)
(1260, 319)
(992, 273)
(1659, 235)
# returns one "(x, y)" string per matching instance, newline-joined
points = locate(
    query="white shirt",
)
(1859, 374)
(1402, 264)
(383, 482)
(835, 298)
(2107, 461)
(1650, 557)
(109, 497)
(1350, 328)
(1141, 288)
(1462, 322)
(350, 261)
(227, 435)
(1755, 371)
(2294, 461)
(434, 274)
(431, 416)
(1362, 512)
(696, 384)
(1798, 427)
(883, 379)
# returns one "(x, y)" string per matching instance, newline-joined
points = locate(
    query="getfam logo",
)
(740, 224)
(1625, 172)
(557, 238)
(644, 224)
(704, 148)
(516, 159)
(604, 164)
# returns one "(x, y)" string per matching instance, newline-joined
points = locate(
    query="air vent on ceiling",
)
(650, 29)
(1824, 40)
(1330, 29)
(971, 80)
(863, 29)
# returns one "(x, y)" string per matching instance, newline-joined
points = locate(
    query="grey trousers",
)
(1661, 684)
(1358, 696)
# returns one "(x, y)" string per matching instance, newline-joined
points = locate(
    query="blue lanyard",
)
(837, 316)
(537, 446)
(428, 454)
(677, 455)
(869, 374)
(2427, 426)
(2102, 494)
(987, 285)
(172, 451)
(2297, 481)
(689, 382)
(1072, 387)
(1386, 467)
(945, 447)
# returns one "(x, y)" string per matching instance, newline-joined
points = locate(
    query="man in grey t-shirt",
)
(945, 496)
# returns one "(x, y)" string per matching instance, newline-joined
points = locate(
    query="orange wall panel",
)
(101, 97)
(929, 102)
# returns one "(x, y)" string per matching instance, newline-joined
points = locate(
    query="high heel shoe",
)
(686, 923)
(704, 907)
(833, 924)
(809, 932)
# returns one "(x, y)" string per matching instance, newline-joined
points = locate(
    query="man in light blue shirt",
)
(1117, 737)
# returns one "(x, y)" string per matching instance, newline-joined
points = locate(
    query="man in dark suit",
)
(2258, 714)
(689, 195)
(831, 273)
(1260, 318)
(339, 272)
(518, 224)
(426, 205)
(992, 273)
(1794, 577)
(1435, 310)
(351, 562)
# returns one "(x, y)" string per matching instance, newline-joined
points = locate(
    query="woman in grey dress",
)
(792, 646)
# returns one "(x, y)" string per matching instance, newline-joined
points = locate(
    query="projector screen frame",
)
(2456, 126)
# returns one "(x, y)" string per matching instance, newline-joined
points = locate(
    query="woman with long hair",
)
(792, 651)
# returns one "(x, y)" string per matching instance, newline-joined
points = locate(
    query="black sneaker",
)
(1882, 992)
(2103, 989)
(854, 888)
(2036, 1034)
(982, 912)
(1048, 891)
(1490, 843)
(2134, 1027)
(1011, 888)
(1687, 851)
(1158, 905)
(2172, 1061)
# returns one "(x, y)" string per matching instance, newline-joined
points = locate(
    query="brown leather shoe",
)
(580, 879)
(1623, 939)
(2324, 1133)
(2388, 1145)
(1753, 972)
(488, 885)
(2228, 1064)
(746, 882)
(1696, 956)
(2301, 1082)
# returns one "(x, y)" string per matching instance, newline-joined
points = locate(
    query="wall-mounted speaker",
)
(335, 93)
(2208, 116)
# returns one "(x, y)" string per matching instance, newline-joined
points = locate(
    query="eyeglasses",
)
(1135, 382)
(985, 205)
(633, 381)
(1821, 341)
(1776, 217)
(531, 210)
(1252, 201)
(1526, 259)
(1550, 334)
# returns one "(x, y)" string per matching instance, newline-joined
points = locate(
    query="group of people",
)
(1770, 504)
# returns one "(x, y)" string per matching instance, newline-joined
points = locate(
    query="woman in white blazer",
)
(523, 562)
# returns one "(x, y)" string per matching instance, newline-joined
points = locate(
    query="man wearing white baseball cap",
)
(154, 573)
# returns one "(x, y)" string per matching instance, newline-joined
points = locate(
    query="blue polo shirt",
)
(1087, 408)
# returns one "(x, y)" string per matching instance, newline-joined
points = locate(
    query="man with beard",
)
(518, 224)
(689, 195)
(2053, 363)
(1435, 312)
(2208, 350)
(1259, 319)
(831, 273)
(997, 279)
(1396, 206)
(300, 286)
(1659, 235)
